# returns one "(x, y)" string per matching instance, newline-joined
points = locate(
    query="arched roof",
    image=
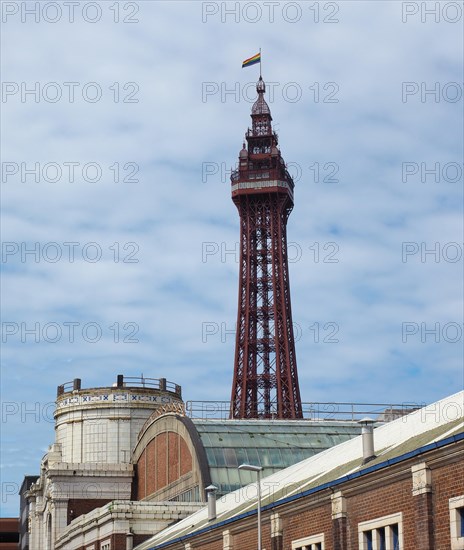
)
(271, 444)
(218, 447)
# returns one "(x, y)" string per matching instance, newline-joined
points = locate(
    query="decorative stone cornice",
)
(421, 479)
(338, 505)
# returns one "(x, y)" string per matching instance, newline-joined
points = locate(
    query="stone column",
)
(34, 524)
(59, 517)
(277, 533)
(339, 521)
(227, 543)
(423, 507)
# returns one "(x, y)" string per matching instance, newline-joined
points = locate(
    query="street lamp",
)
(258, 470)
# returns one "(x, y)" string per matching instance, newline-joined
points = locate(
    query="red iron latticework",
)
(265, 375)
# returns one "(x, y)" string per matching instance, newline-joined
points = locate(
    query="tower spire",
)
(265, 381)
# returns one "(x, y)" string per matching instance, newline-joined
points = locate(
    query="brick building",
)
(129, 469)
(176, 457)
(9, 533)
(408, 494)
(127, 462)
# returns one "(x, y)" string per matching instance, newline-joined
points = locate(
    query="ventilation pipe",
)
(211, 492)
(367, 434)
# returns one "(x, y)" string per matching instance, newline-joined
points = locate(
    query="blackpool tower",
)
(265, 381)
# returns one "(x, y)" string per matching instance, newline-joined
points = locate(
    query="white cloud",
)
(171, 212)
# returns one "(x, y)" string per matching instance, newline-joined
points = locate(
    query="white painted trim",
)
(309, 543)
(457, 542)
(377, 523)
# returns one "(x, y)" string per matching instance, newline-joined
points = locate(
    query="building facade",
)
(128, 465)
(24, 511)
(177, 458)
(409, 495)
(127, 462)
(89, 464)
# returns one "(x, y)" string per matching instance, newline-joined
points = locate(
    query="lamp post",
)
(258, 470)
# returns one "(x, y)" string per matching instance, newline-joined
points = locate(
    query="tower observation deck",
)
(265, 383)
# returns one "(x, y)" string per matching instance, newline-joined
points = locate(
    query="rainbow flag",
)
(252, 60)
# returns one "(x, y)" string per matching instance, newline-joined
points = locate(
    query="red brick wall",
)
(383, 501)
(78, 506)
(448, 482)
(161, 461)
(216, 545)
(339, 538)
(424, 522)
(151, 468)
(9, 527)
(373, 502)
(377, 495)
(141, 477)
(164, 460)
(118, 542)
(138, 539)
(186, 463)
(306, 523)
(173, 457)
(249, 538)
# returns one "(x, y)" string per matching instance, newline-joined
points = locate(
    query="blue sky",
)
(366, 94)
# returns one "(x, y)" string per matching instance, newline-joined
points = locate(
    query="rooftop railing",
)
(381, 412)
(122, 381)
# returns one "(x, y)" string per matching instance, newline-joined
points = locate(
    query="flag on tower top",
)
(252, 60)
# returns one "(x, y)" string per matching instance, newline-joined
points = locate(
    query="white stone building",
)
(89, 464)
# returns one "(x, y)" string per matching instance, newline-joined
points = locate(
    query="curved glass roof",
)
(272, 444)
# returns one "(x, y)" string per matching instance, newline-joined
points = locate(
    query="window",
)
(461, 521)
(381, 533)
(456, 507)
(105, 545)
(315, 542)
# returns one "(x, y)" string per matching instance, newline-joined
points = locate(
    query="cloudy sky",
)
(131, 114)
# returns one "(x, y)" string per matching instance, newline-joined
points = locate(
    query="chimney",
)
(211, 492)
(367, 434)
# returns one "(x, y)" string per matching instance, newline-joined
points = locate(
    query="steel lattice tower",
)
(265, 381)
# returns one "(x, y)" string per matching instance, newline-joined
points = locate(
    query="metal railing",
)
(122, 381)
(256, 176)
(381, 412)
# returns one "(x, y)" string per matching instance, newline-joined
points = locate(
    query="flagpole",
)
(260, 72)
